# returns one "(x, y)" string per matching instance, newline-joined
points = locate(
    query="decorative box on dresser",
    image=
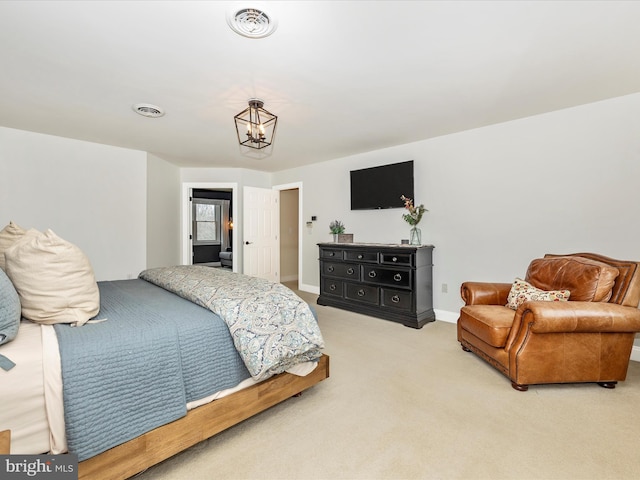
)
(394, 282)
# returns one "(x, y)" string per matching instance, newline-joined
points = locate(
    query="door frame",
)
(298, 186)
(185, 217)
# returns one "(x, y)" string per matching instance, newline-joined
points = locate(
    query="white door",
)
(261, 227)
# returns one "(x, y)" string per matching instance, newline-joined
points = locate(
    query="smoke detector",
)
(148, 110)
(251, 22)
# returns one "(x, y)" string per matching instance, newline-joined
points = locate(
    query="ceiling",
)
(344, 77)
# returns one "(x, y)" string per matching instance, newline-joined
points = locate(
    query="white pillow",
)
(8, 236)
(53, 278)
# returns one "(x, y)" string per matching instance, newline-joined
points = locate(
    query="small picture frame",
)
(345, 238)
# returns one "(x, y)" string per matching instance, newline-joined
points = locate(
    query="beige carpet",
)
(410, 404)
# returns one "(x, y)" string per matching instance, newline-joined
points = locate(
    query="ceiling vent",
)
(148, 110)
(251, 22)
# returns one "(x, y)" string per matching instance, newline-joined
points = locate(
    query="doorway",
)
(211, 227)
(188, 246)
(290, 234)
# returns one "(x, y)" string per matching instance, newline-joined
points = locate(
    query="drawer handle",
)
(394, 259)
(332, 254)
(350, 271)
(397, 277)
(332, 287)
(330, 268)
(395, 299)
(360, 257)
(361, 293)
(372, 274)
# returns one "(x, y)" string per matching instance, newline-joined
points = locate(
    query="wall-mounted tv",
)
(381, 187)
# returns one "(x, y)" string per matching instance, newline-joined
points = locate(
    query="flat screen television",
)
(381, 187)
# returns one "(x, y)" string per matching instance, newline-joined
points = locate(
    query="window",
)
(206, 221)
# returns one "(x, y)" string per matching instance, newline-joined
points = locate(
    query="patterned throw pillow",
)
(522, 291)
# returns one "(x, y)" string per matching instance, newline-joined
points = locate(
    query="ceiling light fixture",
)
(251, 22)
(147, 110)
(255, 126)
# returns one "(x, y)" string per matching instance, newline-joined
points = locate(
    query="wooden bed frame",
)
(5, 442)
(203, 422)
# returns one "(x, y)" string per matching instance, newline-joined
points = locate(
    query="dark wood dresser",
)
(394, 282)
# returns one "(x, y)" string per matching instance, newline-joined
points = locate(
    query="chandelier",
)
(255, 126)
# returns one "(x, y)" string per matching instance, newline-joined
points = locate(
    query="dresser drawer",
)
(362, 293)
(386, 276)
(342, 270)
(328, 253)
(331, 286)
(398, 299)
(405, 259)
(354, 255)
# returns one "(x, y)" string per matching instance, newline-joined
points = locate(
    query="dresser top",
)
(372, 245)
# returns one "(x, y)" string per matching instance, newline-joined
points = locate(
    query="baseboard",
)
(635, 353)
(309, 288)
(445, 316)
(289, 278)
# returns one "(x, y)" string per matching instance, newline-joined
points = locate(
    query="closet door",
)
(261, 227)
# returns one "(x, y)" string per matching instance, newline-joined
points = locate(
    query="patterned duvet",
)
(272, 328)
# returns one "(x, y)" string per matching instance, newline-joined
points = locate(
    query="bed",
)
(168, 360)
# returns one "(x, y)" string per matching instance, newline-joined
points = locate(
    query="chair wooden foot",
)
(607, 384)
(520, 388)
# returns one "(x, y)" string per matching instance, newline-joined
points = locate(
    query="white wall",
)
(498, 196)
(92, 195)
(242, 176)
(163, 213)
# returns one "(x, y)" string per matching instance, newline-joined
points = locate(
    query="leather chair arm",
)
(583, 317)
(485, 293)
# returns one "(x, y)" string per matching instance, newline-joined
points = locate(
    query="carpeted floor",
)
(410, 404)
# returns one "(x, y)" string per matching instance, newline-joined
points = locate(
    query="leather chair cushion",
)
(587, 280)
(490, 323)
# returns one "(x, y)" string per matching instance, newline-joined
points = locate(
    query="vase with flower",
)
(413, 217)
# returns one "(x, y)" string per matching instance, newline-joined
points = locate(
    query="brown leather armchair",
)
(586, 339)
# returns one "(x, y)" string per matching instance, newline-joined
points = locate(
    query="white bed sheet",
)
(22, 402)
(53, 390)
(31, 399)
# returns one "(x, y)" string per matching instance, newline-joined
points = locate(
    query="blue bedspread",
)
(137, 370)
